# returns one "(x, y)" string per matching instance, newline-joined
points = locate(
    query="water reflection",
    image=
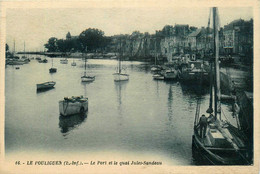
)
(118, 86)
(170, 99)
(68, 123)
(44, 90)
(194, 90)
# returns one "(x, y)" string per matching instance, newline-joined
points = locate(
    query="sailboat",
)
(73, 63)
(24, 58)
(155, 67)
(52, 70)
(86, 78)
(221, 143)
(119, 76)
(158, 75)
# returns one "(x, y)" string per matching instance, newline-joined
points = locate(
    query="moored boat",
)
(45, 85)
(158, 77)
(170, 74)
(215, 140)
(119, 76)
(73, 105)
(52, 70)
(193, 71)
(73, 63)
(86, 78)
(64, 61)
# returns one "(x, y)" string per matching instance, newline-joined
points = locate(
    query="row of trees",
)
(91, 39)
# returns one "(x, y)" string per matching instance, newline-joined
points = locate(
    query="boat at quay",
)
(193, 71)
(216, 141)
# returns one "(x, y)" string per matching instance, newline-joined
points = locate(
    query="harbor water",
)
(139, 116)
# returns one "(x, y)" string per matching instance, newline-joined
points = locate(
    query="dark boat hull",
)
(195, 78)
(203, 156)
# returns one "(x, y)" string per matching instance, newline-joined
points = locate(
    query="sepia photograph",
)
(107, 87)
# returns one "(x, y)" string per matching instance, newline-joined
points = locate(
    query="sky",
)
(36, 26)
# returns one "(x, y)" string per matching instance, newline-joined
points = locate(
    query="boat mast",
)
(14, 46)
(210, 109)
(85, 62)
(119, 58)
(24, 48)
(155, 52)
(217, 103)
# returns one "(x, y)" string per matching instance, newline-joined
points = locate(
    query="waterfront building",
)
(238, 37)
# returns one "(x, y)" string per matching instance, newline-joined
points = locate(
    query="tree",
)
(52, 44)
(68, 36)
(6, 48)
(92, 39)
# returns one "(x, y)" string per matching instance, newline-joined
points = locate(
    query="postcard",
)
(129, 87)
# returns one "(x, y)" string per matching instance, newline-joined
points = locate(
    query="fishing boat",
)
(64, 61)
(52, 70)
(215, 140)
(86, 78)
(45, 85)
(119, 76)
(73, 105)
(193, 71)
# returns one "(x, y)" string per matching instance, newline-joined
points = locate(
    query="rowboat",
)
(45, 85)
(73, 105)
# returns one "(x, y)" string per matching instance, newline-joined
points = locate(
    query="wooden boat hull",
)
(195, 77)
(73, 64)
(67, 108)
(120, 77)
(206, 156)
(45, 85)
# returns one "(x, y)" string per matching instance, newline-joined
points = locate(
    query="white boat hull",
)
(158, 77)
(87, 78)
(120, 77)
(45, 85)
(64, 61)
(67, 108)
(171, 74)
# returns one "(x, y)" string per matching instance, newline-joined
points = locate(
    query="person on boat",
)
(211, 118)
(203, 125)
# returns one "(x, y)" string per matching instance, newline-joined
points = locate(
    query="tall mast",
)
(23, 47)
(155, 52)
(85, 62)
(210, 109)
(119, 59)
(14, 46)
(217, 107)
